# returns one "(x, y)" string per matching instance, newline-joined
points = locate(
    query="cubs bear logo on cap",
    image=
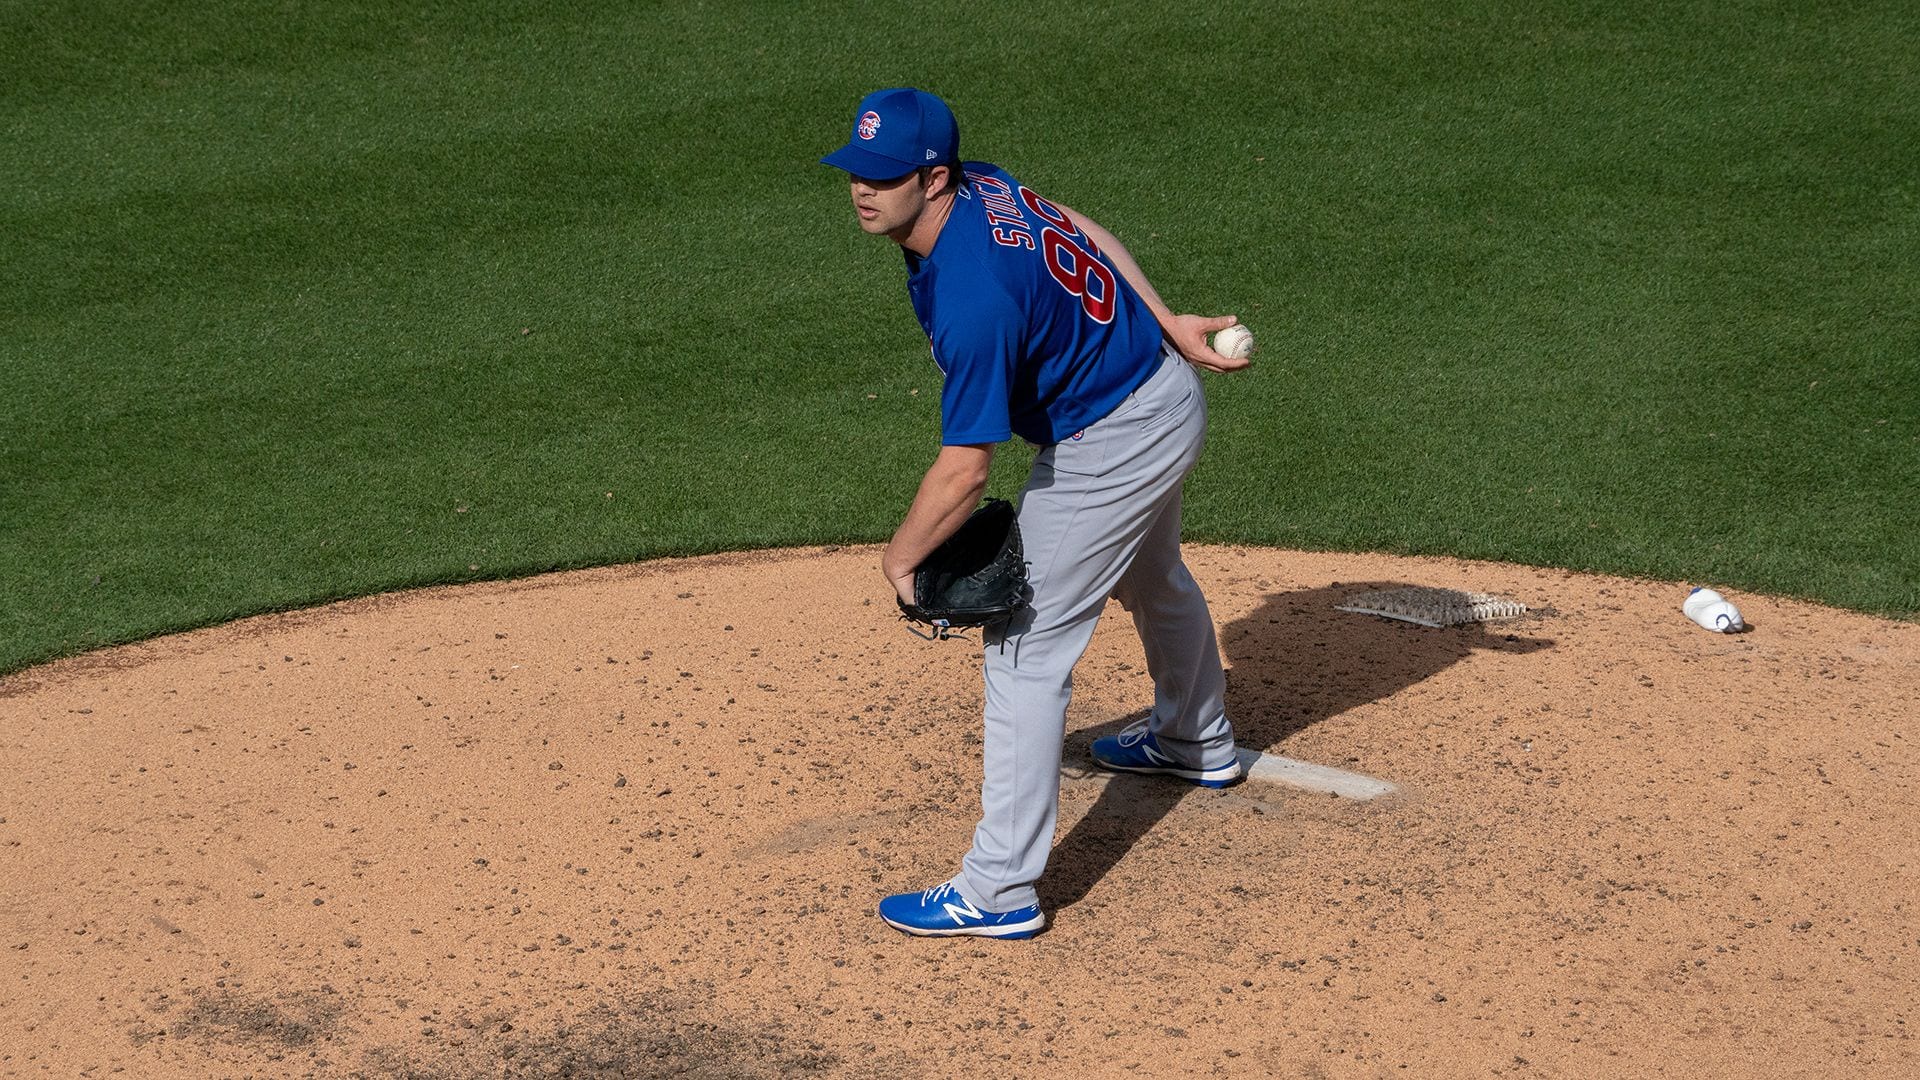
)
(896, 131)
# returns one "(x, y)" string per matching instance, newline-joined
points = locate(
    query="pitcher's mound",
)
(633, 822)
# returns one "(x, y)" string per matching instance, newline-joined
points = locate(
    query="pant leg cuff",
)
(994, 900)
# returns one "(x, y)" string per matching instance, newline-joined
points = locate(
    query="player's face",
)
(889, 207)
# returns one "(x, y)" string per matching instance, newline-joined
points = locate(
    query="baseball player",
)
(1044, 327)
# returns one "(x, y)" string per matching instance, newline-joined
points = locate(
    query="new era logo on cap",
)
(895, 132)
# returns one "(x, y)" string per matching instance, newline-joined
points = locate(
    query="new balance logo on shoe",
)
(1142, 744)
(961, 912)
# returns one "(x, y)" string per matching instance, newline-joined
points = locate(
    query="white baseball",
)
(1234, 343)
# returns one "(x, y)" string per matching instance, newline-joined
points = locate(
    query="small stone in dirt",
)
(554, 766)
(620, 782)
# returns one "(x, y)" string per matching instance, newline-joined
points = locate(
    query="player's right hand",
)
(1189, 335)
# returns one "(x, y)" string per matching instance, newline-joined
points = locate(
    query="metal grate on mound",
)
(1433, 607)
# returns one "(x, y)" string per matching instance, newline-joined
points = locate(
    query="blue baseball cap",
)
(895, 132)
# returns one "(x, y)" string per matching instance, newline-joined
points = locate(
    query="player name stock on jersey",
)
(1070, 255)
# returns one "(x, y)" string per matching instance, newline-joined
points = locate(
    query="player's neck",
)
(920, 237)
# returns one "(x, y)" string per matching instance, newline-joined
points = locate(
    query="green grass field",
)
(307, 301)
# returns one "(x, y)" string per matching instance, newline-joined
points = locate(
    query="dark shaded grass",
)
(301, 304)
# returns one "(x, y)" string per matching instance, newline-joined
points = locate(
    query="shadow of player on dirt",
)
(1293, 661)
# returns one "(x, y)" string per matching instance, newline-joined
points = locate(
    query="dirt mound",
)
(627, 823)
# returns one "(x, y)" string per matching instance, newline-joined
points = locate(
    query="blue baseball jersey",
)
(1037, 333)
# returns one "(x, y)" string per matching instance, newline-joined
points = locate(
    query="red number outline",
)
(1060, 239)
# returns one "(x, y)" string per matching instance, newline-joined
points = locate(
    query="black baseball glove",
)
(976, 578)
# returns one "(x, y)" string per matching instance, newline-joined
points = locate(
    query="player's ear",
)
(936, 179)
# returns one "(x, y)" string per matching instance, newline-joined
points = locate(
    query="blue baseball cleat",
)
(1135, 750)
(942, 912)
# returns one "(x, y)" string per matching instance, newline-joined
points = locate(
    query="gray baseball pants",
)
(1100, 517)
